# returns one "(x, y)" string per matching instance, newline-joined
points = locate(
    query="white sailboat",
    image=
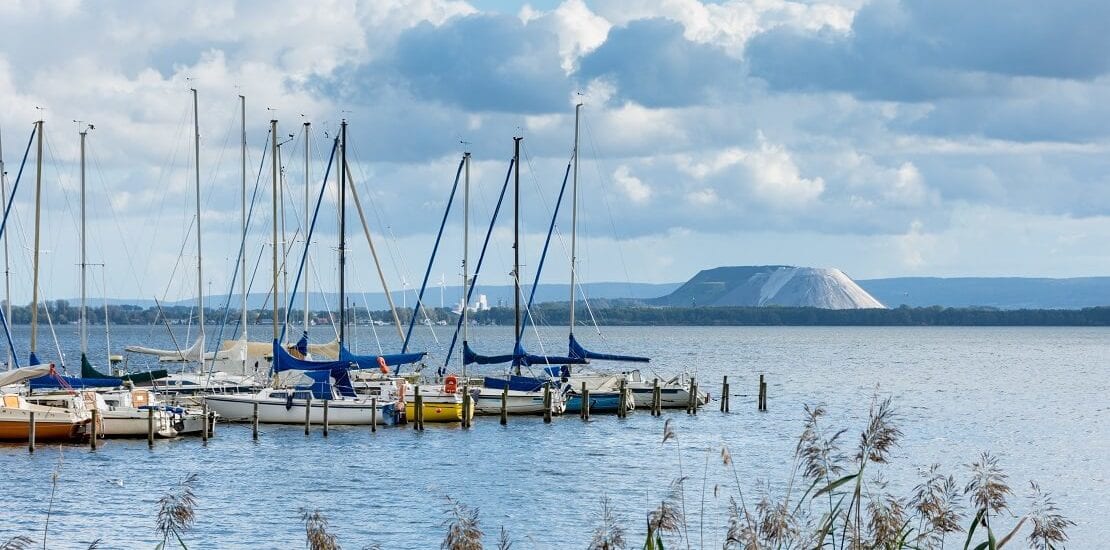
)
(292, 405)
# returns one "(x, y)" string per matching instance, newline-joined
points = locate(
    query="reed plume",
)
(19, 542)
(316, 532)
(175, 511)
(463, 530)
(936, 502)
(609, 535)
(1049, 526)
(987, 488)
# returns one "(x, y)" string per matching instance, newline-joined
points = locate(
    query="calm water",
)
(1037, 397)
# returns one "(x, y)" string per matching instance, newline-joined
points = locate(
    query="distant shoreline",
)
(614, 313)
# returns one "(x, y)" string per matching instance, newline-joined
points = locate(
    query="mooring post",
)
(211, 423)
(373, 414)
(307, 414)
(759, 399)
(693, 396)
(724, 394)
(467, 406)
(326, 401)
(149, 426)
(505, 405)
(547, 398)
(655, 398)
(204, 423)
(31, 433)
(582, 395)
(92, 440)
(622, 402)
(417, 408)
(586, 401)
(254, 422)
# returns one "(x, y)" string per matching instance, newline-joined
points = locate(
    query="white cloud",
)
(633, 188)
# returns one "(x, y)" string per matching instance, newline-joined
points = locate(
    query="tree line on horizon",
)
(606, 312)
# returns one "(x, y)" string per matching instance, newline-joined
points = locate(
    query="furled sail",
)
(521, 357)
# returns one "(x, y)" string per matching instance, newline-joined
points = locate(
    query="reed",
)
(316, 532)
(608, 535)
(176, 512)
(464, 531)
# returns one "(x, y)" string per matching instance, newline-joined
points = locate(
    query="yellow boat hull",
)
(437, 412)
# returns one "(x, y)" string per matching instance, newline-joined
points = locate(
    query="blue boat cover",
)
(515, 383)
(336, 369)
(521, 357)
(56, 381)
(371, 361)
(579, 352)
(302, 345)
(321, 384)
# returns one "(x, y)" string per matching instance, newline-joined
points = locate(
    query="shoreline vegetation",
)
(834, 497)
(612, 313)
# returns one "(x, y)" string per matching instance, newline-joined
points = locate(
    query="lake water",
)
(1037, 397)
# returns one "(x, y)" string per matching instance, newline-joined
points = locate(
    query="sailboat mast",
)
(574, 218)
(274, 213)
(243, 221)
(35, 262)
(200, 268)
(466, 255)
(84, 329)
(307, 217)
(342, 230)
(516, 247)
(7, 268)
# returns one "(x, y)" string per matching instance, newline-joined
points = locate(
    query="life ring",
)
(382, 366)
(451, 383)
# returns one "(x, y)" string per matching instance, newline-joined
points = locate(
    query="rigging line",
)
(115, 217)
(391, 241)
(605, 199)
(366, 305)
(156, 224)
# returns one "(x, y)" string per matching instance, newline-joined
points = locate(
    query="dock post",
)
(585, 402)
(582, 402)
(763, 394)
(724, 394)
(31, 433)
(373, 414)
(505, 405)
(656, 397)
(622, 401)
(211, 420)
(204, 423)
(326, 417)
(92, 440)
(149, 427)
(693, 398)
(547, 398)
(307, 414)
(417, 408)
(254, 422)
(759, 399)
(468, 405)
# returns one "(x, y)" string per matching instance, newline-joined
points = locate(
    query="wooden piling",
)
(95, 418)
(211, 415)
(326, 417)
(547, 398)
(468, 405)
(417, 409)
(31, 433)
(585, 402)
(582, 402)
(373, 414)
(204, 423)
(724, 395)
(656, 398)
(622, 400)
(307, 414)
(505, 405)
(691, 403)
(761, 404)
(149, 426)
(254, 422)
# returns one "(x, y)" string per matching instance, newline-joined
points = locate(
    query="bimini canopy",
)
(577, 351)
(521, 357)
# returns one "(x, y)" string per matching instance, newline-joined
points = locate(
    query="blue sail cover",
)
(56, 381)
(321, 384)
(579, 352)
(515, 383)
(337, 369)
(520, 357)
(371, 361)
(302, 345)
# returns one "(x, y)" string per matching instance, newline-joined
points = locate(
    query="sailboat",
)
(52, 423)
(200, 381)
(331, 381)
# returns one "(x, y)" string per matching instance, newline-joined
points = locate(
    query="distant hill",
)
(778, 285)
(998, 292)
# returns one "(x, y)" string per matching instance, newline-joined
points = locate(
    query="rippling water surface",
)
(1037, 397)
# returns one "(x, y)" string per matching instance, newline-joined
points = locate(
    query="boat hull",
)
(599, 402)
(135, 424)
(669, 398)
(15, 430)
(487, 401)
(437, 411)
(240, 408)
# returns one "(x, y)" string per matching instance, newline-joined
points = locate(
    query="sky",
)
(884, 137)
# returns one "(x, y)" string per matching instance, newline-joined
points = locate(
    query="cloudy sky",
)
(883, 137)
